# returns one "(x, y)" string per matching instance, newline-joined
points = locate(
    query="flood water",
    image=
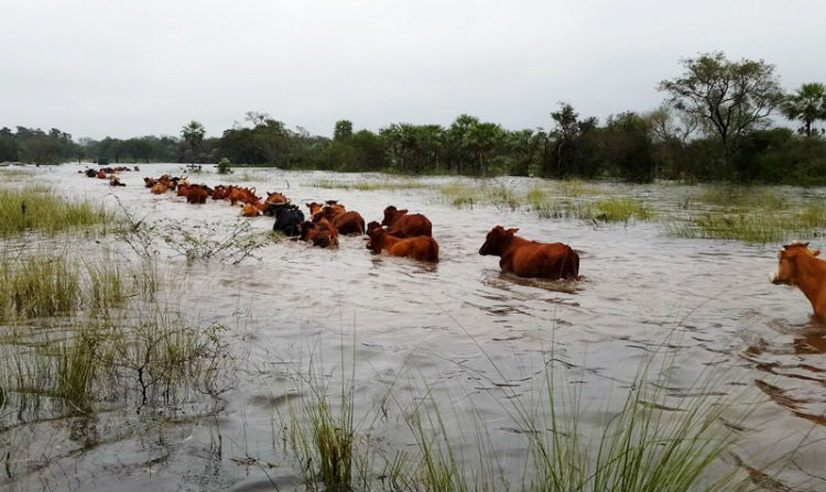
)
(460, 333)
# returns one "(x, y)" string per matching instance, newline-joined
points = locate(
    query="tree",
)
(730, 98)
(568, 152)
(41, 150)
(193, 133)
(343, 130)
(807, 104)
(628, 147)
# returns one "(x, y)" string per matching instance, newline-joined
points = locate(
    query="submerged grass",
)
(322, 432)
(37, 208)
(648, 445)
(654, 441)
(621, 210)
(392, 185)
(464, 195)
(91, 362)
(52, 284)
(758, 225)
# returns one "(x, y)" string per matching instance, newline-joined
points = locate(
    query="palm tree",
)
(807, 104)
(193, 133)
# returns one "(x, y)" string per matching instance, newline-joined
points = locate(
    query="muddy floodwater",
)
(459, 335)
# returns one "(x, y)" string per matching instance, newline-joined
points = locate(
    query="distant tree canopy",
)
(714, 125)
(807, 105)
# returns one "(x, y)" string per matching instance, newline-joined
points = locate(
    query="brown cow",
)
(530, 258)
(159, 188)
(315, 208)
(250, 210)
(422, 248)
(243, 194)
(195, 193)
(798, 266)
(337, 208)
(349, 223)
(220, 192)
(400, 224)
(321, 233)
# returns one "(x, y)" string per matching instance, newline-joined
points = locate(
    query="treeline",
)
(715, 124)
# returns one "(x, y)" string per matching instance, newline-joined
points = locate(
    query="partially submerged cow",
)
(321, 233)
(530, 258)
(798, 265)
(422, 248)
(287, 219)
(350, 222)
(401, 224)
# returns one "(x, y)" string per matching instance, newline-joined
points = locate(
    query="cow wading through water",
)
(401, 224)
(798, 265)
(422, 248)
(531, 258)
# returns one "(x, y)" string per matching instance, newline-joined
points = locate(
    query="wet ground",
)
(460, 332)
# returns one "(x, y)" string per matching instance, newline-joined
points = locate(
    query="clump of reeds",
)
(37, 287)
(321, 430)
(52, 284)
(575, 187)
(760, 225)
(462, 195)
(38, 208)
(741, 197)
(90, 361)
(654, 441)
(621, 210)
(392, 185)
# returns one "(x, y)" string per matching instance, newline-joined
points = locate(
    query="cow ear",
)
(511, 232)
(815, 252)
(403, 211)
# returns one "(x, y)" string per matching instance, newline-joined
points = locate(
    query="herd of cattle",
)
(411, 235)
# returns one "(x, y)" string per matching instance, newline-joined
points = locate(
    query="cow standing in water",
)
(530, 258)
(798, 265)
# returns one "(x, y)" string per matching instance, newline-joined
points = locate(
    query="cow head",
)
(391, 213)
(497, 240)
(274, 198)
(314, 208)
(786, 270)
(375, 235)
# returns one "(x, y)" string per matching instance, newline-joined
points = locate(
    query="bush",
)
(223, 166)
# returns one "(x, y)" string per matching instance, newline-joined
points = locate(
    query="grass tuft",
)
(37, 208)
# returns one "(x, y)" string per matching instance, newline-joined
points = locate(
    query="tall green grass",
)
(37, 208)
(322, 432)
(53, 284)
(654, 441)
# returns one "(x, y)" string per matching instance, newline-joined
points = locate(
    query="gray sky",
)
(102, 67)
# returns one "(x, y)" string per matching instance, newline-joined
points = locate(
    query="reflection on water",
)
(467, 333)
(797, 356)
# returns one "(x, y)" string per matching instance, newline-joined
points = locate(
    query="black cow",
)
(287, 219)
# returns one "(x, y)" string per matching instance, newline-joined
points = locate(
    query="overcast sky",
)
(147, 67)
